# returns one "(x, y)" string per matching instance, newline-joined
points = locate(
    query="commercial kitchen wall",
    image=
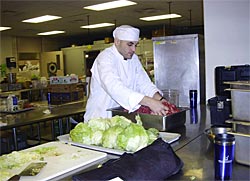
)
(11, 46)
(226, 25)
(227, 36)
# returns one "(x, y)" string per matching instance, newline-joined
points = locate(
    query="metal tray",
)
(167, 137)
(162, 123)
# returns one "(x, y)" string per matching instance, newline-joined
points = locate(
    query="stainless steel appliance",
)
(179, 63)
(162, 123)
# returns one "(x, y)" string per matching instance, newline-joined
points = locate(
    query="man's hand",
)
(157, 106)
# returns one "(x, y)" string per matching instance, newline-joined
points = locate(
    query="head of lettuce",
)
(117, 133)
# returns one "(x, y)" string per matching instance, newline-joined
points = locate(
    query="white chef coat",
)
(116, 82)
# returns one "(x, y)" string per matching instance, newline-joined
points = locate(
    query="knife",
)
(31, 170)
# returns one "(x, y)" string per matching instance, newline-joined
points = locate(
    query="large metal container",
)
(240, 126)
(240, 96)
(242, 148)
(162, 123)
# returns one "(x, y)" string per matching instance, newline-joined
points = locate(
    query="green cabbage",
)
(81, 133)
(99, 124)
(97, 137)
(138, 119)
(152, 135)
(133, 138)
(109, 139)
(120, 121)
(117, 132)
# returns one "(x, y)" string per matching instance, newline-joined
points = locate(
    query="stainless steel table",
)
(37, 116)
(198, 158)
(193, 147)
(196, 151)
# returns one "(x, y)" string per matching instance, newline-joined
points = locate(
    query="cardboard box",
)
(14, 87)
(4, 87)
(57, 88)
(64, 79)
(65, 97)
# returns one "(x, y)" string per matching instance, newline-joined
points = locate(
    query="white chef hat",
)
(127, 33)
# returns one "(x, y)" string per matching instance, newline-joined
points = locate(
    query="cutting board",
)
(70, 158)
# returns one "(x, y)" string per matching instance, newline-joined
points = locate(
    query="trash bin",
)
(220, 110)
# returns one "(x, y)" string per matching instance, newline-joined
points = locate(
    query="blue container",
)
(15, 103)
(224, 145)
(49, 98)
(193, 98)
(193, 116)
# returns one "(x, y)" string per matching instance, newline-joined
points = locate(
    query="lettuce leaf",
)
(81, 133)
(109, 139)
(133, 138)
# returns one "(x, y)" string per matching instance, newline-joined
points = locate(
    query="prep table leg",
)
(53, 129)
(67, 124)
(15, 138)
(60, 124)
(38, 133)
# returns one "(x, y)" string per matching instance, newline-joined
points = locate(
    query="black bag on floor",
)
(157, 161)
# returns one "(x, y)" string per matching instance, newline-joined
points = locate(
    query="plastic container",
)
(231, 73)
(172, 96)
(12, 103)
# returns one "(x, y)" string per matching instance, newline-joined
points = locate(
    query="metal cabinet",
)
(179, 63)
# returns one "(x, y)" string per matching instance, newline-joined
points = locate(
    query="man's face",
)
(126, 48)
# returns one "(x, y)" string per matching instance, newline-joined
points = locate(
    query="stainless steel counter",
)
(198, 161)
(193, 147)
(37, 116)
(196, 151)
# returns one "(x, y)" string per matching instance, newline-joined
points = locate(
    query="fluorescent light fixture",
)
(41, 19)
(51, 33)
(110, 5)
(4, 28)
(100, 25)
(160, 17)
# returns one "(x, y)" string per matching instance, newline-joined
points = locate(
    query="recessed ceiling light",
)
(160, 17)
(51, 33)
(41, 19)
(100, 25)
(110, 5)
(4, 28)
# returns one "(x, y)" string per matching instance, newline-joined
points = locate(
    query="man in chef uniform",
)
(119, 79)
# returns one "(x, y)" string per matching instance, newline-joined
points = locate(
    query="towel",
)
(157, 161)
